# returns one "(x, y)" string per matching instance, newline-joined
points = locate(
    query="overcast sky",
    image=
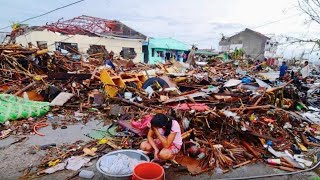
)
(199, 22)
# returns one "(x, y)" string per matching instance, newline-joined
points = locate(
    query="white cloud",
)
(198, 22)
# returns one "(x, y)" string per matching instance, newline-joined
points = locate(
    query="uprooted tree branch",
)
(294, 40)
(310, 8)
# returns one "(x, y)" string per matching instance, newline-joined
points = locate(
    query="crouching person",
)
(164, 138)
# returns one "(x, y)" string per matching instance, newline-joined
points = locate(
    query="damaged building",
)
(3, 36)
(85, 34)
(160, 49)
(255, 44)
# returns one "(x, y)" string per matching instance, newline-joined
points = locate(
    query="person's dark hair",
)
(306, 63)
(161, 120)
(196, 49)
(284, 62)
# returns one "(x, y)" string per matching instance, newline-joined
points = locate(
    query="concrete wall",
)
(271, 48)
(155, 59)
(2, 36)
(253, 43)
(111, 43)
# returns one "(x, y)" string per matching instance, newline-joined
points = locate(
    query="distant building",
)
(207, 52)
(85, 34)
(255, 44)
(270, 50)
(157, 50)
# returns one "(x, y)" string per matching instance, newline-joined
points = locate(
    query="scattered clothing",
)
(142, 124)
(76, 162)
(119, 164)
(58, 167)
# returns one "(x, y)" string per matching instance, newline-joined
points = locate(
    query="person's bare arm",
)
(152, 143)
(166, 142)
(150, 139)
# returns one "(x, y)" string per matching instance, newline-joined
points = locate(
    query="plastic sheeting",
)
(119, 164)
(232, 82)
(76, 162)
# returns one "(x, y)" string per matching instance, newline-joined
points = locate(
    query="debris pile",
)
(230, 115)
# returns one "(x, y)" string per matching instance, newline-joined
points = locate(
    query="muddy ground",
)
(15, 158)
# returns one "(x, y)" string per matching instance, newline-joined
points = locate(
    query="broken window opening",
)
(160, 54)
(152, 53)
(128, 53)
(42, 45)
(70, 47)
(95, 49)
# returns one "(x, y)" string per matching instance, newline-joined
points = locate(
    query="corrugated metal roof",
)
(168, 43)
(93, 26)
(208, 53)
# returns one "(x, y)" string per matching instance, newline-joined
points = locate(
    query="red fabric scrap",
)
(192, 106)
(142, 123)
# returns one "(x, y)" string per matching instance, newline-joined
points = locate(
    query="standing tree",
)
(311, 8)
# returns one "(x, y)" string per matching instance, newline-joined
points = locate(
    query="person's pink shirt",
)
(174, 129)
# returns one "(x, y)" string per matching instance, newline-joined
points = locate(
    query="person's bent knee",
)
(145, 146)
(165, 154)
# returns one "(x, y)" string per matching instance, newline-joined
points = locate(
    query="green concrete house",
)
(157, 50)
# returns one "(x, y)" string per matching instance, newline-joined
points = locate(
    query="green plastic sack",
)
(13, 108)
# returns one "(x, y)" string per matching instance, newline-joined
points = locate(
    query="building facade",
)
(88, 35)
(3, 36)
(253, 43)
(271, 48)
(157, 50)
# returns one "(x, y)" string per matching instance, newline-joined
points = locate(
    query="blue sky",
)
(199, 22)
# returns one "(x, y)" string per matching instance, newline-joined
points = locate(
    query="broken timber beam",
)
(25, 88)
(132, 103)
(280, 87)
(251, 108)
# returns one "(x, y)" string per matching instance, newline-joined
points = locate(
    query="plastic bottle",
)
(274, 161)
(53, 120)
(50, 117)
